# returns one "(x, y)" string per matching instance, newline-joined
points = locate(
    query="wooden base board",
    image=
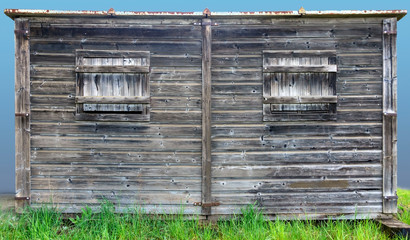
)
(395, 227)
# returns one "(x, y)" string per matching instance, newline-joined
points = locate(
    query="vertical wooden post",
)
(22, 110)
(206, 114)
(389, 116)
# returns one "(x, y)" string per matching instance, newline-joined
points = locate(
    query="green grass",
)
(404, 205)
(47, 223)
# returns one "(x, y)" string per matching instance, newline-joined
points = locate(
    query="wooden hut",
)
(208, 112)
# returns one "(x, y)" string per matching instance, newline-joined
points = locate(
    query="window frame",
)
(300, 115)
(80, 99)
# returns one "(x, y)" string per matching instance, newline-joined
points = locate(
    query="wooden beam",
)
(206, 114)
(389, 120)
(300, 99)
(396, 227)
(22, 105)
(112, 99)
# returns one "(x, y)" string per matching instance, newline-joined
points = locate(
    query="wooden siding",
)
(155, 164)
(304, 167)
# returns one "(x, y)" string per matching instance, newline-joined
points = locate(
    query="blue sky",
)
(7, 59)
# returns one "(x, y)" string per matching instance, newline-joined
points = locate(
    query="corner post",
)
(206, 113)
(389, 116)
(22, 113)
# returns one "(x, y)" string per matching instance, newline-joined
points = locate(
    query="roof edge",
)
(14, 13)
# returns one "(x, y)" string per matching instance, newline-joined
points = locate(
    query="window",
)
(299, 85)
(112, 85)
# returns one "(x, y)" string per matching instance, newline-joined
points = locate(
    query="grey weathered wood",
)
(112, 99)
(370, 170)
(389, 120)
(206, 114)
(396, 227)
(160, 161)
(300, 69)
(112, 69)
(85, 53)
(85, 156)
(118, 197)
(22, 105)
(114, 170)
(301, 99)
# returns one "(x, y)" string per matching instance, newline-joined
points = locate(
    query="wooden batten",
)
(389, 116)
(206, 114)
(22, 110)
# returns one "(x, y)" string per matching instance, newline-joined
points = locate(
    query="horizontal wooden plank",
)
(173, 102)
(237, 88)
(86, 53)
(342, 115)
(249, 20)
(301, 129)
(237, 74)
(175, 88)
(67, 59)
(299, 143)
(303, 199)
(360, 115)
(81, 21)
(300, 99)
(125, 208)
(59, 45)
(370, 101)
(175, 116)
(99, 183)
(286, 186)
(254, 46)
(110, 117)
(183, 60)
(303, 212)
(175, 74)
(118, 197)
(60, 73)
(112, 99)
(100, 129)
(123, 143)
(307, 31)
(297, 53)
(300, 69)
(344, 59)
(107, 31)
(359, 88)
(235, 102)
(274, 157)
(359, 59)
(112, 69)
(104, 156)
(300, 170)
(52, 59)
(237, 60)
(243, 116)
(48, 87)
(118, 170)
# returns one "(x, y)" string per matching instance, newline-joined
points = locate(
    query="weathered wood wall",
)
(297, 167)
(156, 164)
(330, 167)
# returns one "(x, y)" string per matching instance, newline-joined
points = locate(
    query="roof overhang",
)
(15, 13)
